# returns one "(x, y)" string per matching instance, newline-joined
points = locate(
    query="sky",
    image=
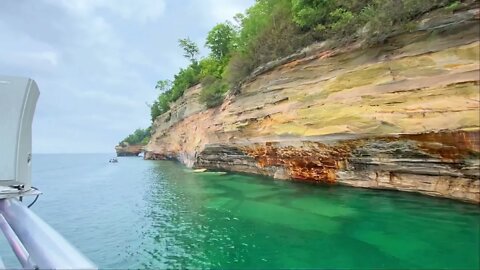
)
(97, 62)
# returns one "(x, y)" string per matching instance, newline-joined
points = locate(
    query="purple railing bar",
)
(17, 246)
(47, 248)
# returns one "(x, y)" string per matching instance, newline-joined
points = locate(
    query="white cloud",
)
(139, 10)
(97, 61)
(97, 31)
(222, 10)
(106, 98)
(20, 50)
(46, 57)
(32, 60)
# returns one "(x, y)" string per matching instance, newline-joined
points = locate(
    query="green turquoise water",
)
(158, 214)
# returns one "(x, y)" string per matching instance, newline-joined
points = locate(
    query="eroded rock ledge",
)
(444, 164)
(403, 116)
(127, 150)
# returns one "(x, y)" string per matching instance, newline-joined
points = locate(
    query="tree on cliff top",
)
(219, 40)
(170, 91)
(163, 85)
(272, 29)
(190, 50)
(139, 136)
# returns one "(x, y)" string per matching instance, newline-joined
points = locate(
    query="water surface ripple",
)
(158, 214)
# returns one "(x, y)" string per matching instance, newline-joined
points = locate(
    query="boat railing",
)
(34, 242)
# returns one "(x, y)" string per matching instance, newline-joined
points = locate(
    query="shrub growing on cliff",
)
(344, 19)
(162, 104)
(453, 6)
(211, 66)
(382, 18)
(239, 67)
(183, 80)
(187, 77)
(267, 32)
(139, 136)
(213, 91)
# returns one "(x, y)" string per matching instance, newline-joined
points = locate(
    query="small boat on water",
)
(113, 160)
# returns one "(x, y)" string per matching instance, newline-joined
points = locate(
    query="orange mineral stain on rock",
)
(315, 162)
(448, 145)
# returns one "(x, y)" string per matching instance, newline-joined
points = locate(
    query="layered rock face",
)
(401, 116)
(127, 150)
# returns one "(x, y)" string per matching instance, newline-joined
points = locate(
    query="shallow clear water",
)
(158, 214)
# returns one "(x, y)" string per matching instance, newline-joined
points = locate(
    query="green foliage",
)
(344, 20)
(145, 140)
(272, 29)
(155, 110)
(239, 67)
(279, 38)
(211, 66)
(186, 77)
(384, 17)
(219, 40)
(268, 32)
(171, 91)
(255, 20)
(213, 91)
(161, 105)
(183, 80)
(454, 6)
(309, 14)
(163, 85)
(190, 49)
(138, 136)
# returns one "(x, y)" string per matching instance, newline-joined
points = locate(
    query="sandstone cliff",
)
(401, 116)
(127, 150)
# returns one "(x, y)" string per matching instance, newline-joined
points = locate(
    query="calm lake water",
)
(158, 214)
